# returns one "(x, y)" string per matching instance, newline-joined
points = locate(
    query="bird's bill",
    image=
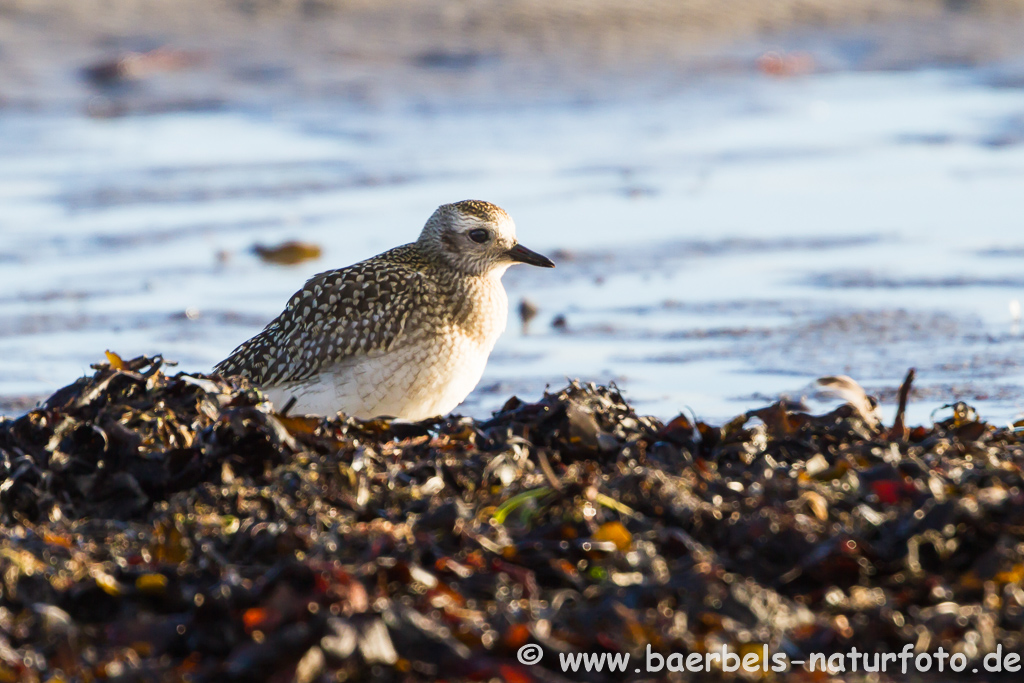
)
(521, 254)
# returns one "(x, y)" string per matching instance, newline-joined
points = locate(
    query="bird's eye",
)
(479, 235)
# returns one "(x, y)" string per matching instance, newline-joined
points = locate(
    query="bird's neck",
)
(480, 306)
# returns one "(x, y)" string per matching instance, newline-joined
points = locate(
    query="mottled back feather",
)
(360, 310)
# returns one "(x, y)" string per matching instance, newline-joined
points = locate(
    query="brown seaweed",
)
(159, 527)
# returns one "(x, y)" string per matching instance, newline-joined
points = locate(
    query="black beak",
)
(523, 255)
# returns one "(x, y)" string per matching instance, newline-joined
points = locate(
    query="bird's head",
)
(476, 238)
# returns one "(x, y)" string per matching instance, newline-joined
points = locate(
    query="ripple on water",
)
(716, 246)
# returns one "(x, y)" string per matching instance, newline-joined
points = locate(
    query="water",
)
(718, 246)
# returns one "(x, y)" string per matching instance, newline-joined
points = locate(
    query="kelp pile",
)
(159, 527)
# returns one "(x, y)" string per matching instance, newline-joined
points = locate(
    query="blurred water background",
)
(740, 200)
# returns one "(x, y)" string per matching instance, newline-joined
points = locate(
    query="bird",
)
(405, 334)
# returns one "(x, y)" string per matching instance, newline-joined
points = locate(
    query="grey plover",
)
(404, 334)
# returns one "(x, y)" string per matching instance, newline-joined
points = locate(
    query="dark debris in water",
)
(168, 528)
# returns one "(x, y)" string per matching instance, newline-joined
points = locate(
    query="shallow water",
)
(717, 246)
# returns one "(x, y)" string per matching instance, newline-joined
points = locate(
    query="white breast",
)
(420, 379)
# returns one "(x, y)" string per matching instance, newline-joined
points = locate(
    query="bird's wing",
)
(360, 310)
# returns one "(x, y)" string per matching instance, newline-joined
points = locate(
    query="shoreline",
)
(250, 53)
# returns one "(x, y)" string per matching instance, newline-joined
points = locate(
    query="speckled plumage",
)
(406, 333)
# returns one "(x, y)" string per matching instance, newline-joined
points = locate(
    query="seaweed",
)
(158, 527)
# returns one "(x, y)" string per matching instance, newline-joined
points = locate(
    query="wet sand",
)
(256, 52)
